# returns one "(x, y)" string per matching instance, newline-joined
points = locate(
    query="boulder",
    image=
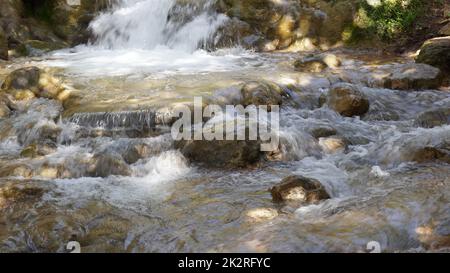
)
(347, 100)
(261, 93)
(413, 77)
(221, 153)
(436, 52)
(433, 118)
(33, 79)
(299, 189)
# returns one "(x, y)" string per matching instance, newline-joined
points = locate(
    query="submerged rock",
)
(436, 52)
(323, 131)
(430, 154)
(261, 93)
(433, 118)
(299, 189)
(11, 194)
(221, 153)
(347, 100)
(262, 214)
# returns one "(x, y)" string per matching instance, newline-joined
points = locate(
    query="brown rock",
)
(299, 189)
(436, 52)
(347, 100)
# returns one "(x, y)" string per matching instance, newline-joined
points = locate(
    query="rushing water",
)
(143, 59)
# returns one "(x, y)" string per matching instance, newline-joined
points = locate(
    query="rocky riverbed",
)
(87, 155)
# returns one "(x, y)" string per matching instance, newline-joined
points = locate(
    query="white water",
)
(151, 36)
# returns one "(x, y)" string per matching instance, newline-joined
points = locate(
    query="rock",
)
(221, 153)
(333, 144)
(35, 80)
(3, 45)
(310, 64)
(5, 112)
(16, 170)
(445, 30)
(436, 52)
(317, 63)
(39, 149)
(347, 100)
(433, 118)
(323, 131)
(22, 95)
(105, 164)
(261, 93)
(11, 194)
(48, 132)
(262, 214)
(299, 189)
(431, 154)
(414, 77)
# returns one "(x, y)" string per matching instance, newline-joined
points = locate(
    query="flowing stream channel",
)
(149, 54)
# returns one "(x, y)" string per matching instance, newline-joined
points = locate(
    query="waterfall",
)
(148, 24)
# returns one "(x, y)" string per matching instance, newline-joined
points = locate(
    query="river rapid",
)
(142, 61)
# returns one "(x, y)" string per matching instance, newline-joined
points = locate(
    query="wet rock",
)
(299, 189)
(35, 80)
(4, 110)
(431, 154)
(11, 194)
(333, 144)
(39, 149)
(37, 133)
(261, 93)
(135, 152)
(436, 52)
(323, 131)
(106, 164)
(221, 153)
(48, 172)
(317, 63)
(414, 77)
(3, 46)
(262, 214)
(16, 170)
(445, 30)
(22, 95)
(347, 100)
(433, 118)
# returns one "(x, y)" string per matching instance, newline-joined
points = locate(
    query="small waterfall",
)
(143, 119)
(147, 24)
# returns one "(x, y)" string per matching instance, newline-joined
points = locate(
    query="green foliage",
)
(386, 20)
